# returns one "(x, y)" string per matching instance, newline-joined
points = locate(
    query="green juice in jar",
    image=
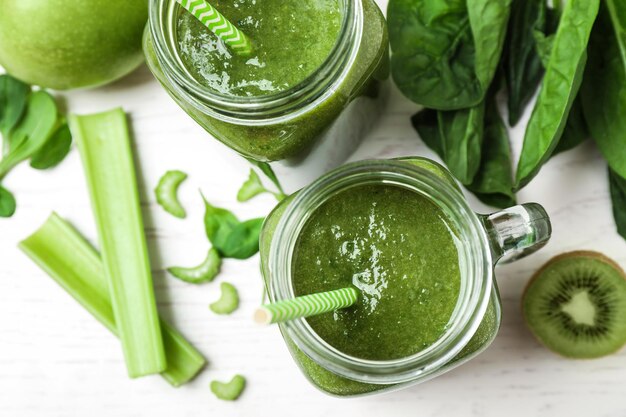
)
(313, 81)
(397, 249)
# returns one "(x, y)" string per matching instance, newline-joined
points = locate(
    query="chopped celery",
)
(229, 391)
(167, 193)
(205, 272)
(75, 265)
(229, 300)
(104, 144)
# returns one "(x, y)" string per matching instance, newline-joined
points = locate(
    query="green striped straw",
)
(235, 39)
(306, 306)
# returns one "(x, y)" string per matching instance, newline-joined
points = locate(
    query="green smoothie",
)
(396, 248)
(292, 38)
(396, 316)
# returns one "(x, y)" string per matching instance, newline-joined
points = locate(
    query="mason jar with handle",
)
(481, 242)
(309, 127)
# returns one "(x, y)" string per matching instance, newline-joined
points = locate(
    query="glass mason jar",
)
(284, 125)
(483, 241)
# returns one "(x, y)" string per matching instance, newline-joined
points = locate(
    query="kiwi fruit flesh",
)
(576, 305)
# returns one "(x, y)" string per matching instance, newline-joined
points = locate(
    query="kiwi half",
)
(576, 305)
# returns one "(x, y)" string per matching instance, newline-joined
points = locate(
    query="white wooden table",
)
(56, 360)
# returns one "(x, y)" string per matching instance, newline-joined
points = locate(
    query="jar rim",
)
(289, 103)
(475, 264)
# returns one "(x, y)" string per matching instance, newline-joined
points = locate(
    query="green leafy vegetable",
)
(104, 143)
(7, 203)
(13, 99)
(559, 88)
(75, 265)
(523, 69)
(493, 183)
(604, 86)
(445, 52)
(267, 170)
(205, 272)
(251, 188)
(54, 150)
(232, 238)
(32, 132)
(492, 180)
(167, 193)
(29, 124)
(576, 130)
(229, 391)
(462, 136)
(228, 302)
(218, 222)
(618, 197)
(426, 123)
(243, 241)
(457, 138)
(488, 21)
(543, 45)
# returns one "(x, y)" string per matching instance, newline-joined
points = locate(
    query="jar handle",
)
(517, 231)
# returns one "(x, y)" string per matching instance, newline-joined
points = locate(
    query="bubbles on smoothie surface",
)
(395, 247)
(291, 39)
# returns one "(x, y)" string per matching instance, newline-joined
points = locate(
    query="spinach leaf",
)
(461, 134)
(559, 88)
(457, 138)
(54, 150)
(253, 187)
(218, 222)
(523, 69)
(13, 98)
(576, 130)
(243, 241)
(426, 124)
(493, 183)
(231, 238)
(267, 170)
(445, 52)
(543, 46)
(7, 203)
(544, 38)
(32, 132)
(604, 85)
(617, 186)
(488, 21)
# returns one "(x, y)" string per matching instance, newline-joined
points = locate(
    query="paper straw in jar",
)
(306, 306)
(234, 38)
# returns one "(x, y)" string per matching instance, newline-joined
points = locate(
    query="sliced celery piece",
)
(166, 193)
(75, 265)
(205, 272)
(229, 391)
(104, 144)
(228, 302)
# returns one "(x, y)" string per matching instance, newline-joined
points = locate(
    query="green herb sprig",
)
(32, 128)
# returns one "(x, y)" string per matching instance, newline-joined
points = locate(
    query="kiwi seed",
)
(576, 305)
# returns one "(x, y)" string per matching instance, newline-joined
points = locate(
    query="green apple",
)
(65, 44)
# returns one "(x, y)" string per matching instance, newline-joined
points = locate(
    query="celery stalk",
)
(75, 265)
(104, 144)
